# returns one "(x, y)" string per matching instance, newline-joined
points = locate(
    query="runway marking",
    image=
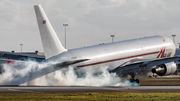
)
(25, 91)
(14, 90)
(119, 90)
(122, 90)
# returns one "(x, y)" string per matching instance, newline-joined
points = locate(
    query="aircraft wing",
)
(135, 67)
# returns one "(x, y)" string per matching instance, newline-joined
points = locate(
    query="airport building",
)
(6, 57)
(36, 56)
(178, 64)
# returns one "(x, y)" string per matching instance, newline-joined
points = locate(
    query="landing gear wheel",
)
(134, 82)
(137, 81)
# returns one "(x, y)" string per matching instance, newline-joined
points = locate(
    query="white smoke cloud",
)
(32, 73)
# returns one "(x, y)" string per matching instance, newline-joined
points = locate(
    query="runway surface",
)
(69, 89)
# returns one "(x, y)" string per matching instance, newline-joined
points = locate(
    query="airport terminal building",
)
(6, 57)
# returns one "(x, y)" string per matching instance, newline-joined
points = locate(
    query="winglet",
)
(51, 44)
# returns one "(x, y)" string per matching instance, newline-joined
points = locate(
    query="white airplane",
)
(122, 57)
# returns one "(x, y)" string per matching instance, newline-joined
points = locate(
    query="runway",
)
(73, 89)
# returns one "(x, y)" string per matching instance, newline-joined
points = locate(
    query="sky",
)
(90, 22)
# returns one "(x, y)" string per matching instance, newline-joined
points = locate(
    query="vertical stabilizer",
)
(51, 44)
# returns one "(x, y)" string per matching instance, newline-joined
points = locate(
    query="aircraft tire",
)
(137, 81)
(134, 81)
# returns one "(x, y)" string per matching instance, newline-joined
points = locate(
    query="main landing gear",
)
(133, 80)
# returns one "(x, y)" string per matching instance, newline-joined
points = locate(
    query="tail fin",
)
(51, 44)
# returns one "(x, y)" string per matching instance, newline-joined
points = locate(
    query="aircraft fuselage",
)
(116, 53)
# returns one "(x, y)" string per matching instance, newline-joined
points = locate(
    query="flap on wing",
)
(133, 67)
(162, 61)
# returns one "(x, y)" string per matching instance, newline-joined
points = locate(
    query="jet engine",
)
(165, 69)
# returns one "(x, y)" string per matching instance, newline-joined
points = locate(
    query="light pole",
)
(65, 33)
(21, 47)
(174, 38)
(112, 37)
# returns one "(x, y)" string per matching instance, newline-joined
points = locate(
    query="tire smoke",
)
(32, 73)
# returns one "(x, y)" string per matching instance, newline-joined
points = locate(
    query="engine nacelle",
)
(165, 69)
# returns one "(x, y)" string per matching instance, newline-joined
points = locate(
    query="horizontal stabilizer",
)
(67, 63)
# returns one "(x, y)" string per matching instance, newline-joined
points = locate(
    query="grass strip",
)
(108, 96)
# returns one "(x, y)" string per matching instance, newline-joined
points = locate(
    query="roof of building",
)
(22, 56)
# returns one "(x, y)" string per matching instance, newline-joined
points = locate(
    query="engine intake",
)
(165, 69)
